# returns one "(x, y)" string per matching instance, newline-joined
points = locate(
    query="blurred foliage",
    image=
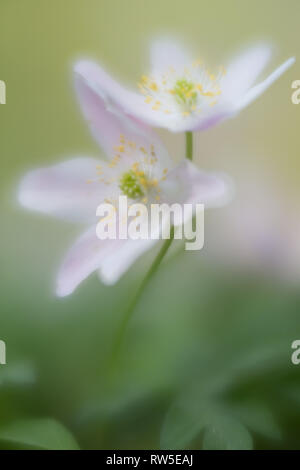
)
(37, 434)
(213, 371)
(206, 360)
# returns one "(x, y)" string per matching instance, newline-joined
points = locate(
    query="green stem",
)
(189, 145)
(131, 308)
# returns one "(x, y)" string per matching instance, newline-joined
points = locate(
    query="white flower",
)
(180, 93)
(138, 166)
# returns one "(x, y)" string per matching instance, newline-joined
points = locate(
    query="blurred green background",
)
(206, 361)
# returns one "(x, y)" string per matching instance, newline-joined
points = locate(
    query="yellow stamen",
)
(153, 86)
(120, 148)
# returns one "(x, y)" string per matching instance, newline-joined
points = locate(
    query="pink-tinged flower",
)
(138, 166)
(180, 93)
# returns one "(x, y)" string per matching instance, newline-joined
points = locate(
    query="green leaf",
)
(226, 433)
(259, 419)
(181, 426)
(38, 434)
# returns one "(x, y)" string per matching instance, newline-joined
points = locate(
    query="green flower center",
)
(130, 185)
(185, 92)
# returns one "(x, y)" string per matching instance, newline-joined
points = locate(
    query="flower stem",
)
(131, 307)
(189, 145)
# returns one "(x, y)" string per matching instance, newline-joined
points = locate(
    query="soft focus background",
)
(207, 358)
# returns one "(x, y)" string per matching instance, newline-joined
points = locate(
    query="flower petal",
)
(82, 260)
(257, 90)
(167, 52)
(118, 262)
(211, 119)
(188, 185)
(112, 110)
(104, 102)
(112, 257)
(64, 190)
(242, 73)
